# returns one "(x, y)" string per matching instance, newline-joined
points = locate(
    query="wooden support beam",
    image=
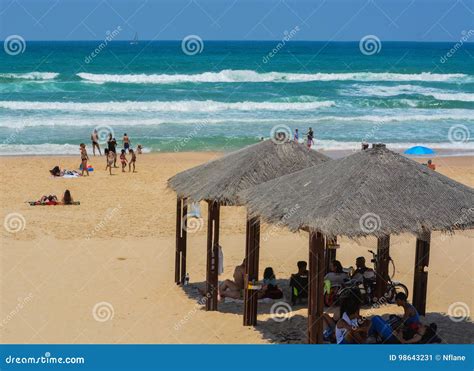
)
(212, 255)
(383, 258)
(180, 254)
(316, 288)
(420, 280)
(252, 248)
(330, 254)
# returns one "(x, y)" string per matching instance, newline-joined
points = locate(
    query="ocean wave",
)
(233, 76)
(29, 76)
(392, 91)
(160, 106)
(325, 145)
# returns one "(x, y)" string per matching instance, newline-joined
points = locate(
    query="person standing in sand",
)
(126, 142)
(234, 289)
(123, 160)
(84, 158)
(310, 136)
(132, 160)
(112, 145)
(110, 160)
(95, 142)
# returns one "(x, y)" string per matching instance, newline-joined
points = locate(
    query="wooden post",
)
(330, 253)
(212, 255)
(420, 280)
(383, 258)
(252, 248)
(180, 254)
(316, 288)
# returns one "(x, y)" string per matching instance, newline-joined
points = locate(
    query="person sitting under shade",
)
(234, 289)
(299, 283)
(270, 288)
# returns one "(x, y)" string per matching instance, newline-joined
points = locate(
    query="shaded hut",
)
(218, 182)
(375, 192)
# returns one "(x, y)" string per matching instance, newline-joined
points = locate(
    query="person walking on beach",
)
(109, 160)
(126, 142)
(112, 145)
(84, 158)
(310, 136)
(95, 142)
(132, 160)
(296, 137)
(123, 160)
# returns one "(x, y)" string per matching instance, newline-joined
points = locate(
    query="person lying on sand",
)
(67, 198)
(234, 289)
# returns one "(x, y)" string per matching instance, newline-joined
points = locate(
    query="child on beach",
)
(132, 160)
(139, 149)
(84, 158)
(123, 160)
(110, 157)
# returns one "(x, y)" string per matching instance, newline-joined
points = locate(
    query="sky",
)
(326, 20)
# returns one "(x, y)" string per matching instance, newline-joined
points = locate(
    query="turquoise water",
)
(232, 93)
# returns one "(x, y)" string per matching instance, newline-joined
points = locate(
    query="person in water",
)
(296, 137)
(310, 137)
(95, 142)
(126, 142)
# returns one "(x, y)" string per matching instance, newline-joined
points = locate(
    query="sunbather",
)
(234, 289)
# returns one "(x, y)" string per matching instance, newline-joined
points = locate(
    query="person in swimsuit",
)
(132, 160)
(110, 157)
(126, 142)
(112, 144)
(84, 158)
(67, 198)
(123, 160)
(310, 136)
(95, 142)
(234, 289)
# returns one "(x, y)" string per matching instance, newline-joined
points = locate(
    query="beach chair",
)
(299, 288)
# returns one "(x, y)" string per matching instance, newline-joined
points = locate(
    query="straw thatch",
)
(374, 192)
(220, 180)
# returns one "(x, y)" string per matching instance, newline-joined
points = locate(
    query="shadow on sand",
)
(291, 328)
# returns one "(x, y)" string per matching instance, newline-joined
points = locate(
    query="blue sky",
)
(334, 20)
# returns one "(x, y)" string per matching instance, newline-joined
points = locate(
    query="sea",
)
(223, 95)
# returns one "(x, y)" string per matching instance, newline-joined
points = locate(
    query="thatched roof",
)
(221, 179)
(373, 192)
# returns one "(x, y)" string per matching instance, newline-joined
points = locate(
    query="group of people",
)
(111, 153)
(53, 199)
(309, 137)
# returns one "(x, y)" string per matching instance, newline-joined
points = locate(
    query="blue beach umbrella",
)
(419, 151)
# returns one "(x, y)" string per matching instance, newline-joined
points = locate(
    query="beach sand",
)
(103, 272)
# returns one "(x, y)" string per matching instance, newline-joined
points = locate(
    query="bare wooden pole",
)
(212, 255)
(420, 280)
(383, 258)
(316, 288)
(252, 248)
(180, 253)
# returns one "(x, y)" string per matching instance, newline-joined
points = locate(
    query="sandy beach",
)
(102, 272)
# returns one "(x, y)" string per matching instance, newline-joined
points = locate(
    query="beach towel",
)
(36, 203)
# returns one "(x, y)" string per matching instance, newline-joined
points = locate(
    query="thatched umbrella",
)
(375, 192)
(218, 182)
